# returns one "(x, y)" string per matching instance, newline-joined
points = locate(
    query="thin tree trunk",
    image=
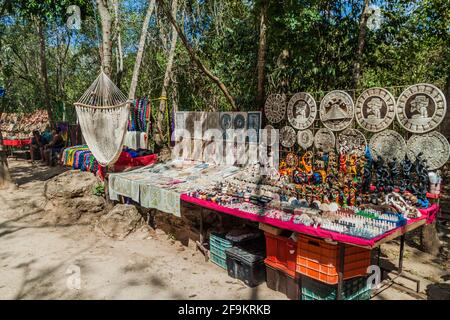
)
(140, 53)
(5, 177)
(262, 54)
(119, 50)
(361, 44)
(43, 69)
(106, 48)
(167, 77)
(194, 57)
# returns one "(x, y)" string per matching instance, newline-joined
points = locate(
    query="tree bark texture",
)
(106, 48)
(43, 69)
(262, 54)
(361, 44)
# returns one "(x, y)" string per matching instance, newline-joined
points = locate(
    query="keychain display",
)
(301, 110)
(275, 108)
(434, 147)
(375, 109)
(421, 108)
(336, 110)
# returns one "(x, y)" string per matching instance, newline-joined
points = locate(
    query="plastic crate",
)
(221, 262)
(282, 251)
(246, 265)
(354, 289)
(216, 250)
(220, 241)
(320, 260)
(280, 280)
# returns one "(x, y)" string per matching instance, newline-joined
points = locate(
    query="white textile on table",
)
(135, 140)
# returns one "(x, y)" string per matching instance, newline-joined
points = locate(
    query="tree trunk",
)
(361, 44)
(167, 76)
(106, 47)
(262, 54)
(137, 64)
(196, 59)
(430, 239)
(5, 177)
(43, 69)
(119, 50)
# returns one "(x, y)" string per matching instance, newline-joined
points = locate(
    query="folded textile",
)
(135, 140)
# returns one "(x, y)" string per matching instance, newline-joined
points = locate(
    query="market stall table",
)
(428, 216)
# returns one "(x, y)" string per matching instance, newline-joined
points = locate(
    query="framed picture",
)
(254, 122)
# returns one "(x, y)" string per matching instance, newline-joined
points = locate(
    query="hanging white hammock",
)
(103, 113)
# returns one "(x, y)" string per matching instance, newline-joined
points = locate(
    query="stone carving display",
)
(336, 110)
(324, 140)
(275, 108)
(305, 138)
(287, 136)
(434, 147)
(389, 145)
(351, 141)
(375, 109)
(291, 160)
(421, 108)
(301, 110)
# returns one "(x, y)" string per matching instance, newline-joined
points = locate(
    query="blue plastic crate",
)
(354, 289)
(216, 250)
(218, 260)
(220, 241)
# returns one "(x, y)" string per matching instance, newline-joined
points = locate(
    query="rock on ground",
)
(70, 198)
(120, 221)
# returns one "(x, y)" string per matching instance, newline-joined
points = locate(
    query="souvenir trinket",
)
(301, 110)
(324, 140)
(336, 110)
(433, 145)
(388, 144)
(287, 136)
(275, 108)
(375, 109)
(305, 138)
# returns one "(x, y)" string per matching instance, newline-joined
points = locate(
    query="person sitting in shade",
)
(54, 147)
(37, 146)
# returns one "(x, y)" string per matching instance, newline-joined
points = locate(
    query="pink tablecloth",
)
(428, 214)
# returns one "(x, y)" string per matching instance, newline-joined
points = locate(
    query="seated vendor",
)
(47, 135)
(37, 146)
(54, 147)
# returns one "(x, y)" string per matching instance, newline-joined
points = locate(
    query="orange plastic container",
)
(320, 260)
(281, 251)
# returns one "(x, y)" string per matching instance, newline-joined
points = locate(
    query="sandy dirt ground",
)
(73, 261)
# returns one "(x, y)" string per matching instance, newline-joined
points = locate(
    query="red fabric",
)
(126, 161)
(428, 214)
(16, 142)
(144, 160)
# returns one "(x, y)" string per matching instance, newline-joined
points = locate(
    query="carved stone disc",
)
(301, 110)
(389, 145)
(275, 108)
(287, 136)
(291, 160)
(421, 108)
(375, 109)
(336, 110)
(305, 138)
(351, 141)
(434, 147)
(324, 140)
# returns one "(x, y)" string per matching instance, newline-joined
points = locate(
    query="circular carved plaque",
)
(421, 108)
(275, 108)
(324, 140)
(375, 109)
(287, 136)
(336, 110)
(389, 145)
(351, 141)
(434, 147)
(301, 110)
(305, 138)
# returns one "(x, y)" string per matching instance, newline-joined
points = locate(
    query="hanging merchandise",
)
(351, 141)
(305, 138)
(138, 115)
(375, 109)
(275, 108)
(421, 108)
(324, 140)
(287, 136)
(103, 113)
(336, 110)
(301, 110)
(432, 146)
(389, 145)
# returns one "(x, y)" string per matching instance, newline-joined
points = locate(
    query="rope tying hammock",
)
(103, 113)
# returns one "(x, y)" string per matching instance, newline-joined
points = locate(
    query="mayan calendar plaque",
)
(336, 110)
(434, 147)
(275, 108)
(375, 109)
(389, 145)
(287, 136)
(324, 140)
(421, 108)
(351, 141)
(305, 138)
(301, 110)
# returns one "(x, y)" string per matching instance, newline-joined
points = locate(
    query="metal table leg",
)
(341, 271)
(402, 249)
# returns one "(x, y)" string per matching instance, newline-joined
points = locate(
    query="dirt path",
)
(41, 261)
